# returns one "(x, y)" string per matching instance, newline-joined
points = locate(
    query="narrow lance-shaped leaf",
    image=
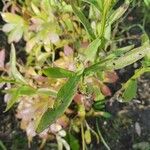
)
(118, 63)
(130, 90)
(47, 91)
(35, 9)
(118, 52)
(13, 70)
(119, 12)
(12, 18)
(16, 93)
(26, 90)
(94, 3)
(129, 58)
(147, 3)
(84, 21)
(13, 100)
(57, 72)
(73, 142)
(6, 80)
(92, 49)
(132, 83)
(2, 146)
(63, 100)
(130, 87)
(22, 90)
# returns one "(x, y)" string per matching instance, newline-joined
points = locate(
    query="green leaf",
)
(63, 100)
(118, 63)
(26, 90)
(147, 3)
(13, 70)
(35, 9)
(92, 49)
(107, 33)
(6, 80)
(2, 146)
(106, 115)
(130, 90)
(99, 105)
(46, 91)
(95, 3)
(12, 18)
(129, 58)
(22, 90)
(73, 142)
(98, 96)
(140, 71)
(145, 39)
(15, 35)
(119, 52)
(119, 12)
(84, 21)
(13, 100)
(98, 67)
(57, 72)
(17, 92)
(16, 26)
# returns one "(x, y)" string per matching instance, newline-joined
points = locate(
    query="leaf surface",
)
(73, 142)
(84, 21)
(57, 72)
(12, 18)
(120, 62)
(129, 58)
(92, 49)
(16, 93)
(130, 90)
(13, 70)
(119, 12)
(63, 100)
(13, 100)
(95, 3)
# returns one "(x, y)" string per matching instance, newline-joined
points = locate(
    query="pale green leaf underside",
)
(13, 70)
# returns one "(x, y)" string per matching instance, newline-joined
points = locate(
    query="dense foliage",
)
(72, 53)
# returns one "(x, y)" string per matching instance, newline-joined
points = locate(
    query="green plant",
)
(2, 146)
(47, 85)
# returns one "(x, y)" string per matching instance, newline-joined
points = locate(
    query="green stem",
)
(104, 15)
(103, 141)
(82, 134)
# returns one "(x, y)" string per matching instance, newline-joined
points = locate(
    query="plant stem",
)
(82, 134)
(100, 135)
(104, 15)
